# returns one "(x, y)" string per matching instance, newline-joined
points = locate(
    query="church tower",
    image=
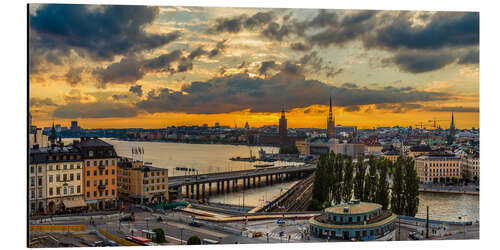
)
(53, 136)
(330, 123)
(282, 126)
(451, 136)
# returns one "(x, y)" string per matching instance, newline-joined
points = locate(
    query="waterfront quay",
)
(202, 186)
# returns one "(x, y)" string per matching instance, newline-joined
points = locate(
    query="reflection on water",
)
(209, 158)
(449, 206)
(253, 197)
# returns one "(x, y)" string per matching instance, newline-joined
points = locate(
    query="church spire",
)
(282, 110)
(53, 136)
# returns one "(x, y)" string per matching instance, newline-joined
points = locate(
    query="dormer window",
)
(91, 153)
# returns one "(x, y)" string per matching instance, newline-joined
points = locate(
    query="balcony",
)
(101, 187)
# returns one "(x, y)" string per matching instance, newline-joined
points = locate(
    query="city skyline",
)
(197, 65)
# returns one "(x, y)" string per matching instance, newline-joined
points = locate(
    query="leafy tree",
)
(160, 236)
(410, 189)
(371, 181)
(382, 196)
(359, 178)
(320, 184)
(348, 180)
(194, 240)
(397, 199)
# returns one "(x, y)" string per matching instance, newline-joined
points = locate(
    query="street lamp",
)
(463, 215)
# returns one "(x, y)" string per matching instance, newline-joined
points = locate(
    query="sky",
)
(155, 66)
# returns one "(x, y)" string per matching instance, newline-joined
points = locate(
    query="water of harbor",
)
(210, 158)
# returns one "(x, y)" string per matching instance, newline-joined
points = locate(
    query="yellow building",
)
(471, 167)
(301, 146)
(433, 168)
(142, 183)
(392, 156)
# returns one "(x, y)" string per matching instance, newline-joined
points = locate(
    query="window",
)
(113, 162)
(88, 183)
(100, 182)
(100, 193)
(32, 169)
(95, 183)
(32, 194)
(78, 176)
(112, 192)
(106, 163)
(51, 191)
(39, 181)
(106, 172)
(106, 181)
(95, 163)
(65, 177)
(95, 193)
(39, 169)
(50, 167)
(78, 166)
(113, 181)
(57, 167)
(106, 192)
(91, 153)
(71, 190)
(100, 172)
(88, 194)
(112, 171)
(32, 181)
(95, 172)
(58, 191)
(40, 193)
(88, 163)
(65, 190)
(51, 179)
(71, 177)
(78, 189)
(65, 167)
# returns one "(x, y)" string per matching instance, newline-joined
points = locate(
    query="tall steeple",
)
(282, 124)
(282, 110)
(451, 136)
(53, 136)
(330, 123)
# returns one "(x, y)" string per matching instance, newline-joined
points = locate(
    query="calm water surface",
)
(210, 158)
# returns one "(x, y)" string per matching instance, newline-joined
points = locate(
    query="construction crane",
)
(421, 125)
(435, 122)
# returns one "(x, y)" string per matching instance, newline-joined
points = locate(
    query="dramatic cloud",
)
(470, 57)
(137, 89)
(419, 61)
(266, 66)
(73, 76)
(236, 24)
(101, 32)
(101, 109)
(119, 97)
(39, 102)
(239, 92)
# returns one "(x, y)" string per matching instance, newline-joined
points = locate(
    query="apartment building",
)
(432, 168)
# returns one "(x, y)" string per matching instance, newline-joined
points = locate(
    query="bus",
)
(209, 242)
(140, 240)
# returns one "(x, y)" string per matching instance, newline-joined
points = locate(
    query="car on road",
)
(127, 218)
(194, 224)
(258, 234)
(414, 236)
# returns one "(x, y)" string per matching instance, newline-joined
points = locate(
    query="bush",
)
(194, 240)
(160, 236)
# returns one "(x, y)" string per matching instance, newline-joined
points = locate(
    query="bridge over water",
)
(200, 186)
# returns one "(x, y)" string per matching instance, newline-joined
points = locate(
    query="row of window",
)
(65, 190)
(153, 181)
(65, 177)
(158, 188)
(101, 183)
(102, 163)
(106, 193)
(106, 172)
(64, 157)
(153, 173)
(40, 194)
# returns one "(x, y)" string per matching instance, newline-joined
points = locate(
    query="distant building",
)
(283, 132)
(354, 220)
(432, 168)
(318, 146)
(418, 150)
(140, 183)
(451, 135)
(74, 126)
(282, 139)
(470, 166)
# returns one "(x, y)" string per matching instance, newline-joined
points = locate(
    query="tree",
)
(382, 196)
(410, 189)
(371, 180)
(194, 240)
(359, 178)
(337, 167)
(397, 199)
(320, 184)
(160, 236)
(348, 180)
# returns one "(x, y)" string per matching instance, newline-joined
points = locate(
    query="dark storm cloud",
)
(299, 46)
(236, 24)
(266, 66)
(101, 32)
(73, 76)
(454, 109)
(399, 107)
(354, 108)
(39, 102)
(277, 32)
(470, 57)
(420, 61)
(197, 53)
(101, 109)
(324, 18)
(137, 89)
(239, 92)
(445, 29)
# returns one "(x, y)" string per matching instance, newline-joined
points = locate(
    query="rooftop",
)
(354, 208)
